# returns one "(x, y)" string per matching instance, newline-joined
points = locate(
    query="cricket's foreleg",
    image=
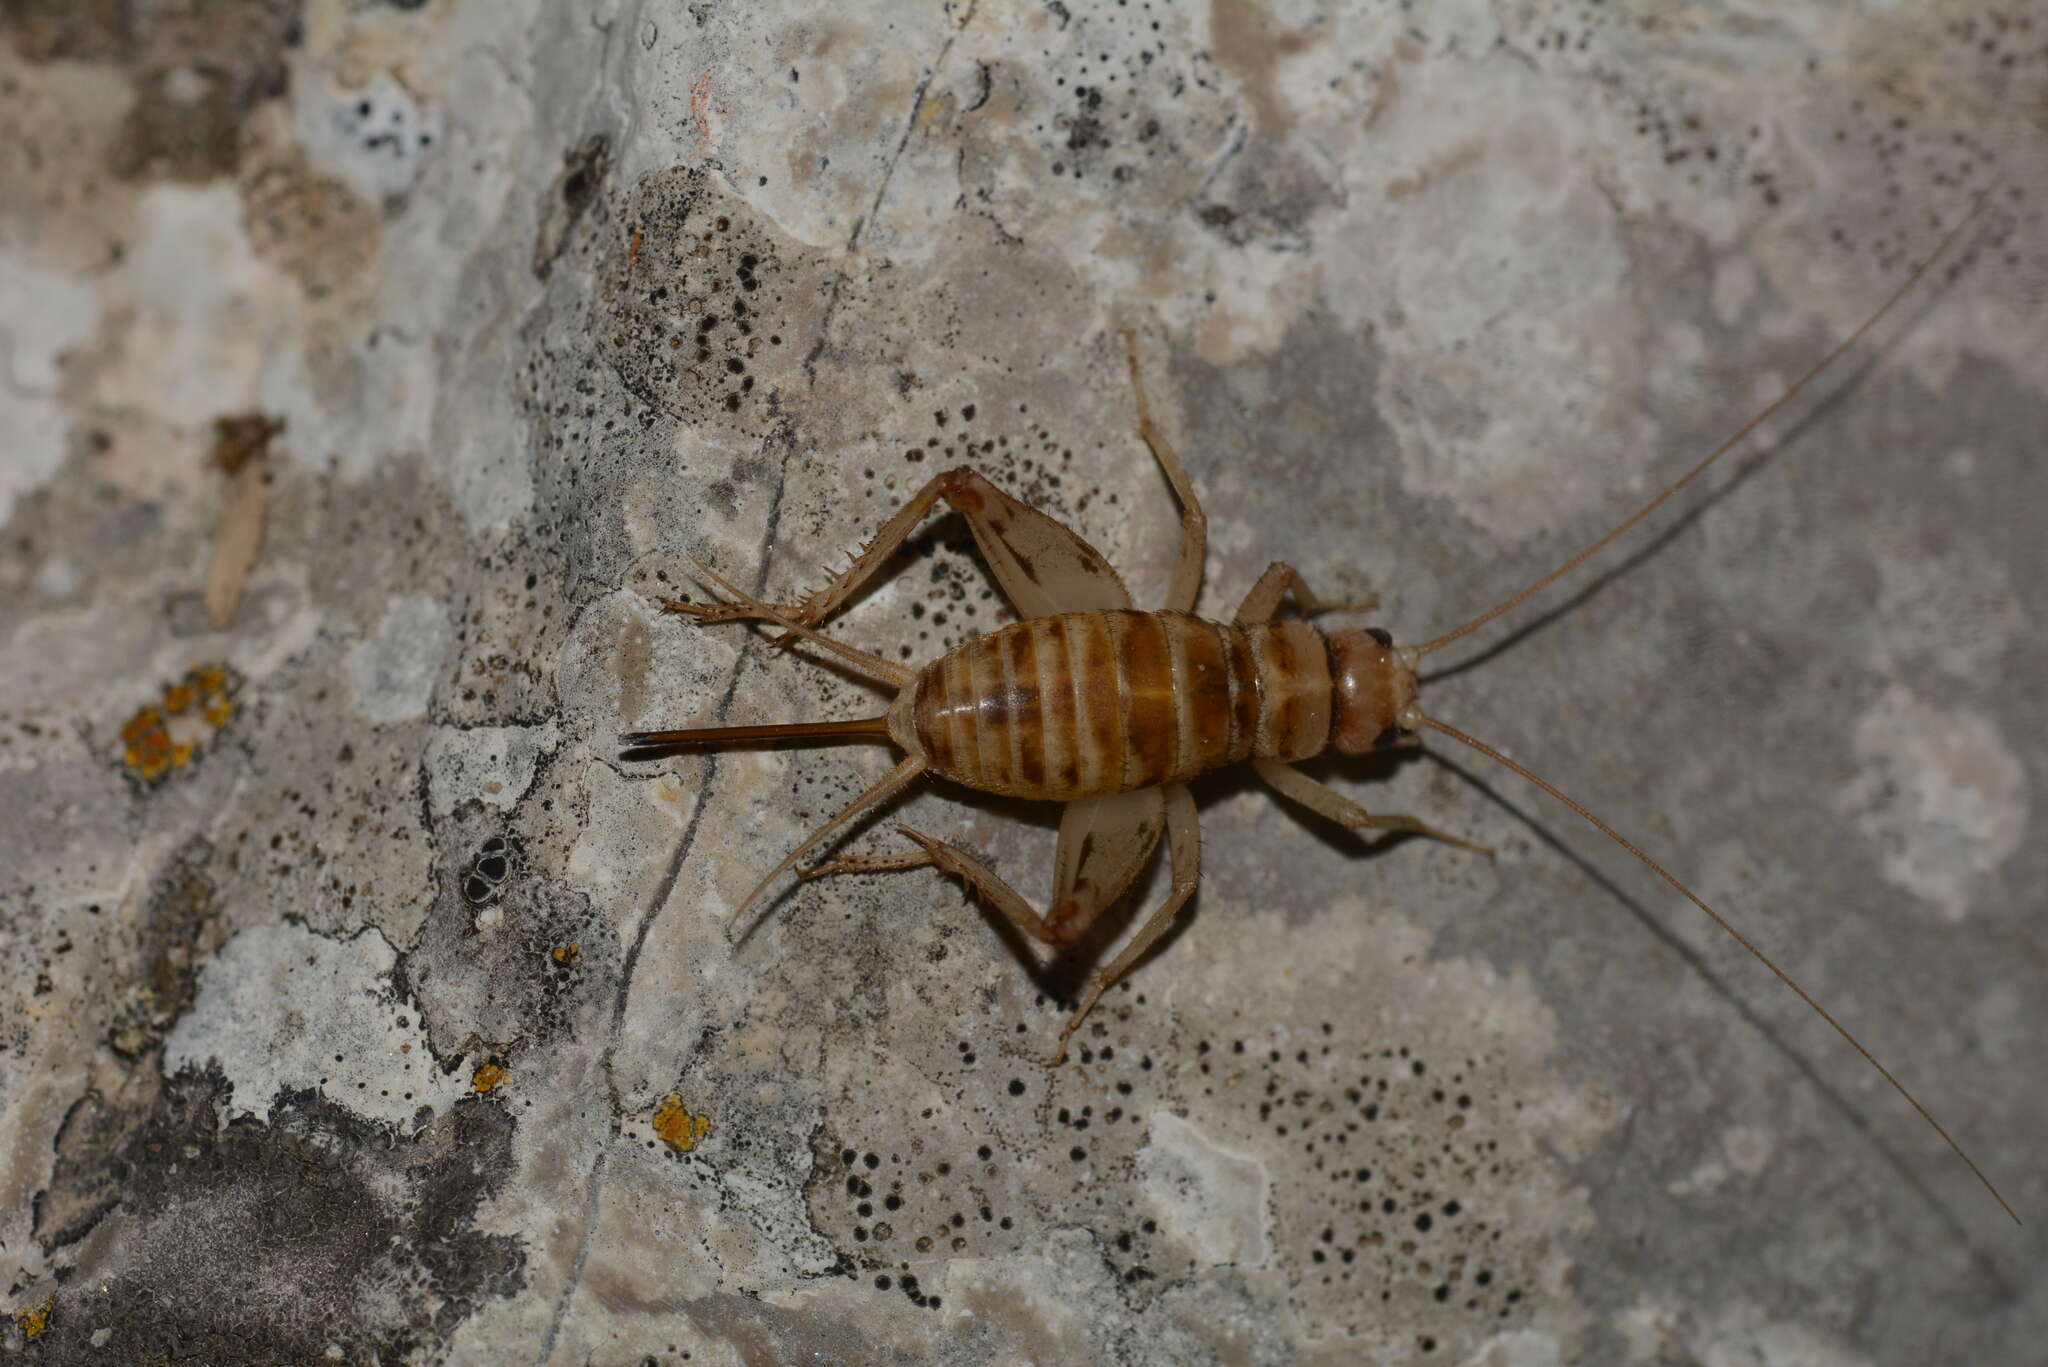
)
(1324, 801)
(1264, 599)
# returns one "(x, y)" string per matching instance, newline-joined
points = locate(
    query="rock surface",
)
(366, 1007)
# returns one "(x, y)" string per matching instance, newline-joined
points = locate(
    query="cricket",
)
(1089, 701)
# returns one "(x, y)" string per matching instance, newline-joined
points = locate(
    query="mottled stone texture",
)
(363, 1006)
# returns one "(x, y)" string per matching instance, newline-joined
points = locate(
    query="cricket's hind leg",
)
(895, 781)
(1105, 844)
(1184, 840)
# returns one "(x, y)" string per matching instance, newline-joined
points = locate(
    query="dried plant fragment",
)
(239, 447)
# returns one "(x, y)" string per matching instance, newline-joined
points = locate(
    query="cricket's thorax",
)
(1084, 704)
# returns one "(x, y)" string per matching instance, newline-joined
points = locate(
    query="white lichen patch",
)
(1939, 793)
(1744, 1150)
(1407, 1111)
(1703, 1180)
(203, 312)
(1213, 1199)
(1519, 1348)
(1953, 608)
(1742, 1337)
(614, 859)
(1748, 1148)
(1059, 1300)
(1511, 263)
(1736, 285)
(493, 765)
(1646, 1329)
(394, 670)
(376, 136)
(66, 312)
(281, 1009)
(1354, 1127)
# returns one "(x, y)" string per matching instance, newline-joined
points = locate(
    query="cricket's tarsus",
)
(1110, 710)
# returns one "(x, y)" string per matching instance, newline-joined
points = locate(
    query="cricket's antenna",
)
(1509, 605)
(1416, 717)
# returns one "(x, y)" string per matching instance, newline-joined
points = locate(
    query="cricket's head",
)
(1374, 686)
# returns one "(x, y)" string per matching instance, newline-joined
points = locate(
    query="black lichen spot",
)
(268, 1242)
(496, 860)
(182, 905)
(582, 171)
(510, 984)
(680, 302)
(584, 168)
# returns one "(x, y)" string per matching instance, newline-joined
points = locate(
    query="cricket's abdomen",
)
(1084, 704)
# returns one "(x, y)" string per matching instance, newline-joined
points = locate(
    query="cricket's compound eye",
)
(1373, 686)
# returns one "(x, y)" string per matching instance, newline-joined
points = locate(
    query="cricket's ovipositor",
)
(1091, 702)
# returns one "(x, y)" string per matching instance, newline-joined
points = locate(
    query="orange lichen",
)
(146, 743)
(676, 1127)
(562, 954)
(489, 1077)
(32, 1320)
(163, 735)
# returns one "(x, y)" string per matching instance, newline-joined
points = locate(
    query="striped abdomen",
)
(1084, 704)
